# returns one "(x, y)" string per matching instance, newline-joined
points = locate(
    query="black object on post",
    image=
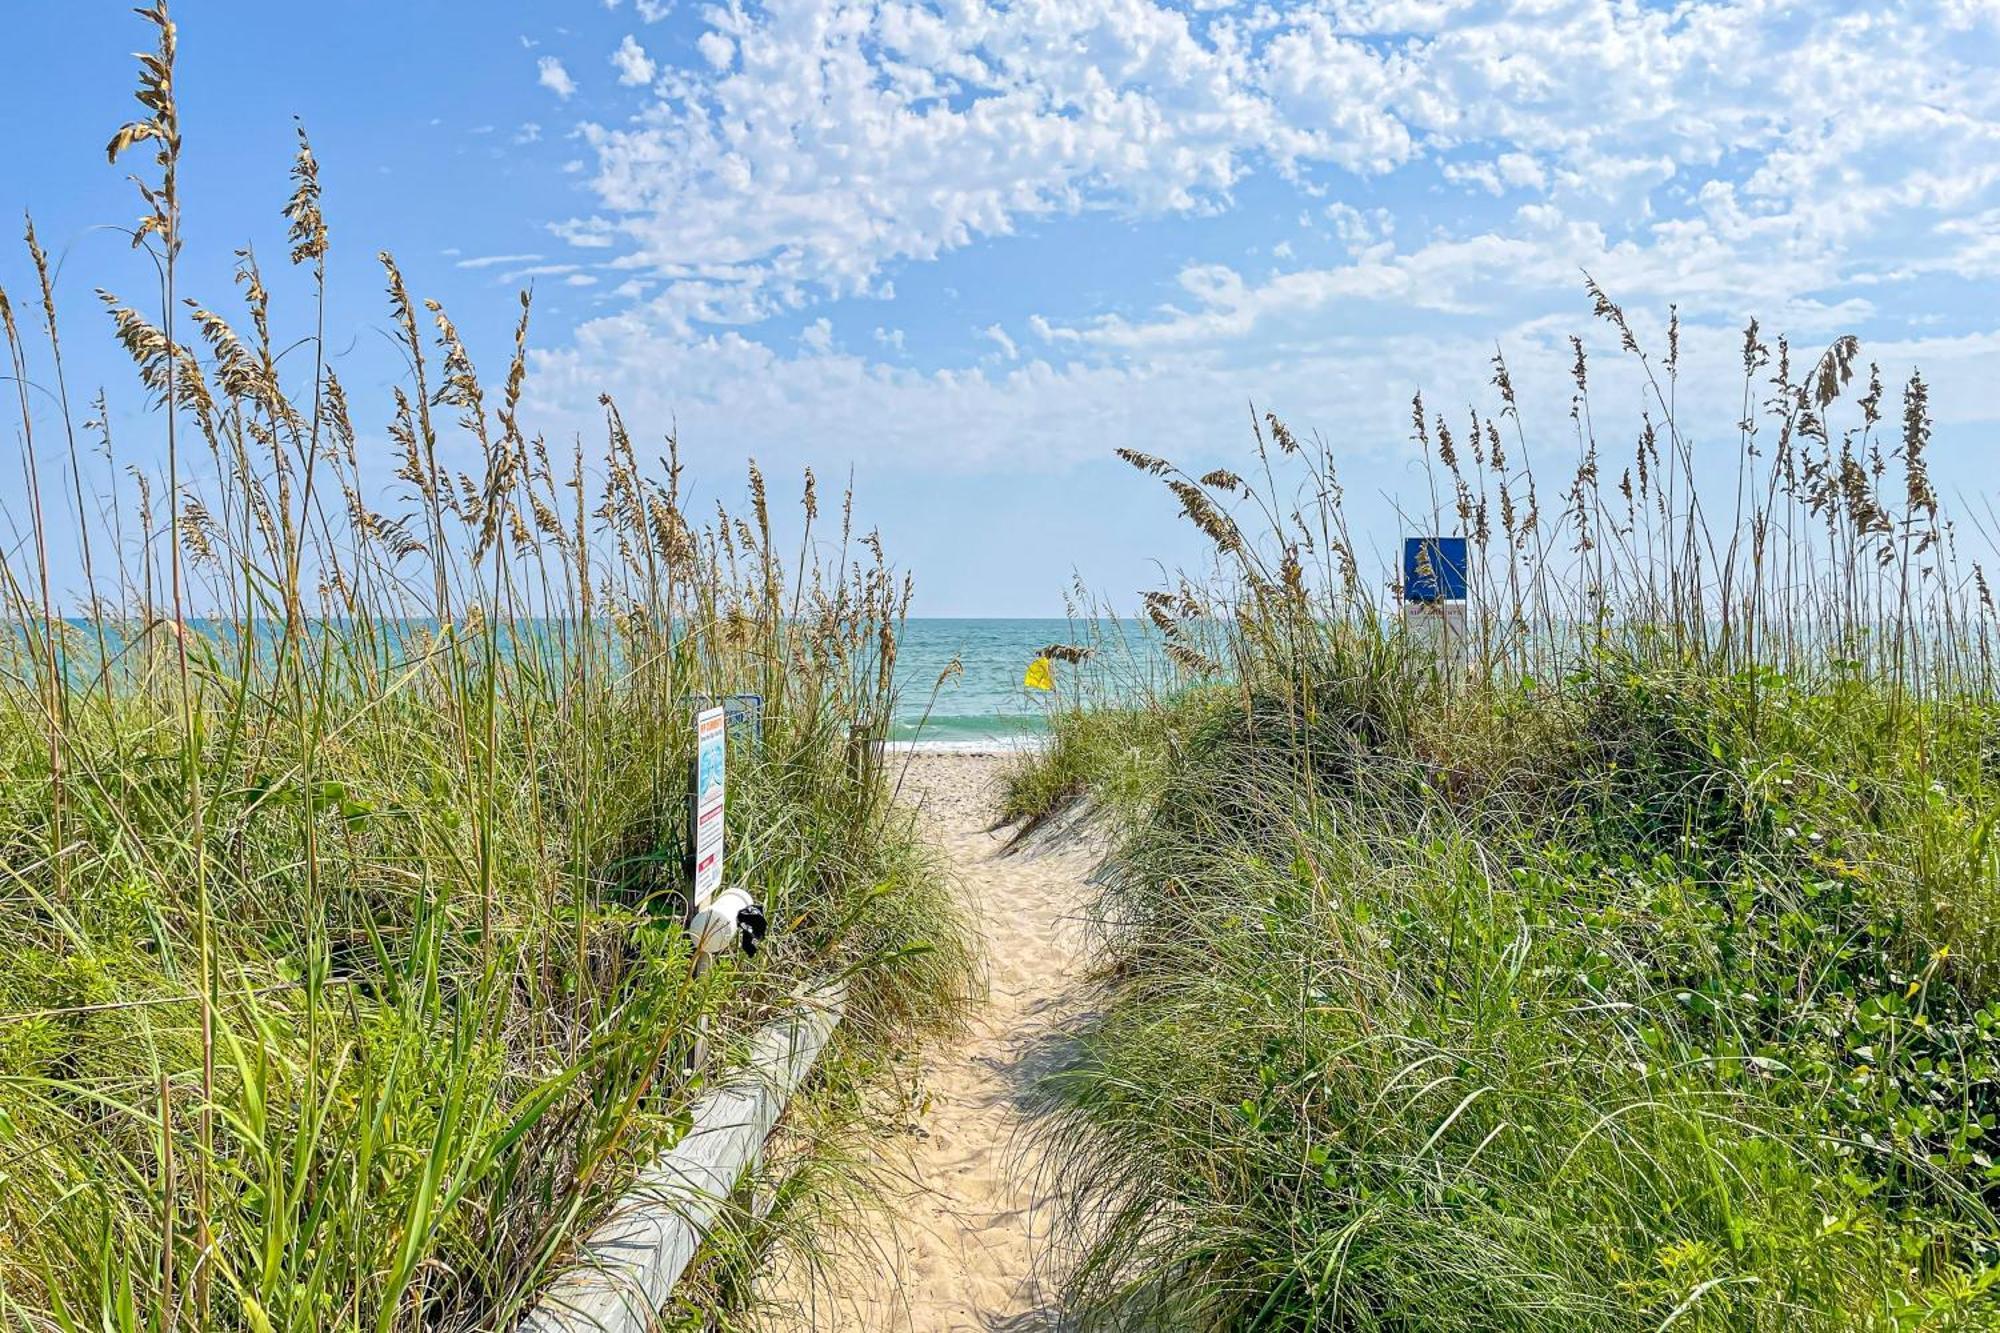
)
(751, 928)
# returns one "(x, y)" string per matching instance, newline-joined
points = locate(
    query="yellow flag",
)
(1039, 677)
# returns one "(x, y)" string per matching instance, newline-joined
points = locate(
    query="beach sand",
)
(964, 1246)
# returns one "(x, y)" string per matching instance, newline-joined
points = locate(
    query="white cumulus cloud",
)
(635, 68)
(819, 143)
(549, 72)
(1453, 166)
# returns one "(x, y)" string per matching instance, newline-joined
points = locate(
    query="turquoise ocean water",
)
(987, 704)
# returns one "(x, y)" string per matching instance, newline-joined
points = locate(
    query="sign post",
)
(717, 917)
(711, 732)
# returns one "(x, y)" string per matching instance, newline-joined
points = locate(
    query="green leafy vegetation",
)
(342, 977)
(1626, 959)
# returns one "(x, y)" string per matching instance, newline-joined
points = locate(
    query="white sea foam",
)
(970, 748)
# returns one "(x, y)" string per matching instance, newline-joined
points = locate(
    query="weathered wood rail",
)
(624, 1273)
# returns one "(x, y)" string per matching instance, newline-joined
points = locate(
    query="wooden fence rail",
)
(625, 1271)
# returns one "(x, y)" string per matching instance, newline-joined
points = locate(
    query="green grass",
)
(342, 980)
(1115, 757)
(1389, 1055)
(1629, 964)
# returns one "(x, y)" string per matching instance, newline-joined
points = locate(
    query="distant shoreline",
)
(991, 747)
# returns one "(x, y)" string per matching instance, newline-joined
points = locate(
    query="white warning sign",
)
(711, 733)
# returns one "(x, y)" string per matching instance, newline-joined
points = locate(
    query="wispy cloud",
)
(538, 271)
(495, 261)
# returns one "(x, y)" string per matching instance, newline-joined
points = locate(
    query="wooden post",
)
(864, 753)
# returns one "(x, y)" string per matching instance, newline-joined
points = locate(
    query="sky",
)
(962, 251)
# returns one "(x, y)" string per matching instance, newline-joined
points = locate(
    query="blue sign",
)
(745, 711)
(1434, 569)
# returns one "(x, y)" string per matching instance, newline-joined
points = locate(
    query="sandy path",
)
(963, 1251)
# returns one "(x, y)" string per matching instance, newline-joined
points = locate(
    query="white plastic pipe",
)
(713, 926)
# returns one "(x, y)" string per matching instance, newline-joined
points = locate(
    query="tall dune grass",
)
(341, 841)
(1626, 961)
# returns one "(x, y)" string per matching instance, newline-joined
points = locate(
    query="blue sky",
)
(964, 250)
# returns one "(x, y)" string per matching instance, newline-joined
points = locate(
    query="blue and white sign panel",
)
(1434, 570)
(711, 739)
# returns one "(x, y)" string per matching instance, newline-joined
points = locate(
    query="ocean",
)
(983, 706)
(987, 705)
